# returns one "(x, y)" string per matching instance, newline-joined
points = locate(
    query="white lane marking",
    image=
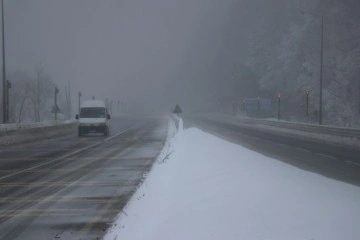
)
(61, 158)
(282, 145)
(51, 161)
(40, 184)
(353, 163)
(326, 156)
(54, 212)
(267, 141)
(302, 150)
(116, 135)
(243, 134)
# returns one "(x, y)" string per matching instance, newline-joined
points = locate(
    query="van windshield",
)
(92, 112)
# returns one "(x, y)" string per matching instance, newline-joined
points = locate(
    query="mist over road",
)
(72, 188)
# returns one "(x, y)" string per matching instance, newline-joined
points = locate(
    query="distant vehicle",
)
(93, 118)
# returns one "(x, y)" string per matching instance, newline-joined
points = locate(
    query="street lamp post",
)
(307, 92)
(5, 111)
(8, 86)
(56, 106)
(79, 95)
(279, 105)
(321, 65)
(321, 72)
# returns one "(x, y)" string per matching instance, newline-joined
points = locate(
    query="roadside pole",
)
(5, 92)
(307, 92)
(279, 105)
(8, 86)
(55, 106)
(79, 95)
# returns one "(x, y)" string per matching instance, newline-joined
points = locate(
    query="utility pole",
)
(321, 72)
(69, 100)
(79, 95)
(8, 86)
(37, 117)
(5, 111)
(279, 105)
(321, 64)
(111, 106)
(56, 107)
(307, 93)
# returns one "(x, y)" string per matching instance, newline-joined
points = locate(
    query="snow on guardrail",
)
(311, 128)
(18, 126)
(24, 132)
(349, 137)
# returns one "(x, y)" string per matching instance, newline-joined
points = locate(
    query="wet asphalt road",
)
(333, 161)
(71, 187)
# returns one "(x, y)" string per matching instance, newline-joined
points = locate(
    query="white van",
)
(93, 118)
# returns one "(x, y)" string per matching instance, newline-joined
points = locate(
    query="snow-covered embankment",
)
(207, 188)
(25, 132)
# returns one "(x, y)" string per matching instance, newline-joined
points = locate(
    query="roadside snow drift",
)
(212, 189)
(13, 133)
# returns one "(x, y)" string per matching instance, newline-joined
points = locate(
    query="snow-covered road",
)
(212, 189)
(72, 188)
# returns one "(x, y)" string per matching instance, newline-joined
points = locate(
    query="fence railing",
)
(312, 128)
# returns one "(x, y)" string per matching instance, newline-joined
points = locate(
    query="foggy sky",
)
(149, 54)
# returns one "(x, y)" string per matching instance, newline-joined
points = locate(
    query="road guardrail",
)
(311, 128)
(24, 132)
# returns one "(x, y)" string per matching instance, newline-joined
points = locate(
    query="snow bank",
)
(25, 132)
(16, 126)
(175, 126)
(211, 189)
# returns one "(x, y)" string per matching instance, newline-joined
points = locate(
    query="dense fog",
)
(206, 55)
